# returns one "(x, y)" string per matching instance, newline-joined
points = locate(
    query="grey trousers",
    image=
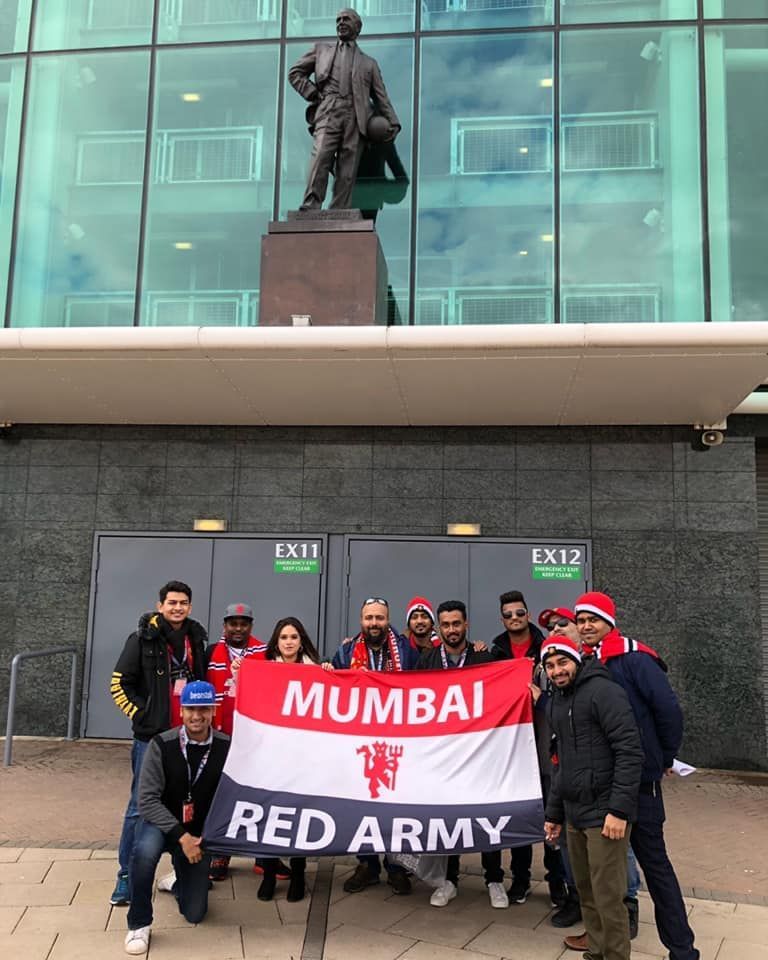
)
(337, 146)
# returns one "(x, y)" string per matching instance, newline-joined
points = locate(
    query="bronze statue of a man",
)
(346, 92)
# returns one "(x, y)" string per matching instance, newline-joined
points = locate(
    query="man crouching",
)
(181, 770)
(594, 788)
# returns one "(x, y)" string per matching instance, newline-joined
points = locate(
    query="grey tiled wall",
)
(674, 531)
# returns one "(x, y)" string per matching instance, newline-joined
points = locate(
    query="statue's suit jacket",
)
(369, 94)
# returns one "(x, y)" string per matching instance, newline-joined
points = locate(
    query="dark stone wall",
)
(674, 532)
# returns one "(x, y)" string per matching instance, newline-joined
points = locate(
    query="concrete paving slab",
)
(9, 917)
(731, 928)
(252, 913)
(64, 871)
(10, 854)
(647, 940)
(27, 872)
(751, 912)
(438, 925)
(104, 855)
(219, 942)
(54, 853)
(350, 942)
(89, 945)
(721, 908)
(26, 946)
(94, 891)
(271, 943)
(37, 894)
(518, 944)
(293, 913)
(430, 951)
(382, 916)
(89, 916)
(733, 949)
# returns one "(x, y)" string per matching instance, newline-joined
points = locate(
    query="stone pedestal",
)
(327, 265)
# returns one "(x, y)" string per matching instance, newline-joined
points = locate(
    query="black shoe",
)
(399, 882)
(360, 879)
(267, 888)
(633, 909)
(283, 872)
(568, 915)
(519, 891)
(558, 893)
(219, 868)
(296, 888)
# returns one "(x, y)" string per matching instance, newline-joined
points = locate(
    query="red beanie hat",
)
(555, 645)
(598, 603)
(420, 603)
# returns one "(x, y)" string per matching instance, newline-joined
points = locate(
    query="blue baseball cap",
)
(198, 694)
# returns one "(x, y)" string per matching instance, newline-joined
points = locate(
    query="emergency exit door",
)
(278, 576)
(548, 572)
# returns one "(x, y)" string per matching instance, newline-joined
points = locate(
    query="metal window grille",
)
(98, 311)
(432, 310)
(612, 305)
(501, 308)
(203, 308)
(110, 158)
(476, 5)
(604, 141)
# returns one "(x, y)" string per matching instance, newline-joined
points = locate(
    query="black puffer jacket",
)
(598, 751)
(141, 685)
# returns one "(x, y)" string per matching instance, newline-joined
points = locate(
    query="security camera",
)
(9, 432)
(704, 438)
(712, 438)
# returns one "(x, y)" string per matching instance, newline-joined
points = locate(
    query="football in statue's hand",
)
(379, 129)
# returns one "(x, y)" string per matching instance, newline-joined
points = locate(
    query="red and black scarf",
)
(387, 660)
(614, 644)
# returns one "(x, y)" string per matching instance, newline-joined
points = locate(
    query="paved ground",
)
(60, 819)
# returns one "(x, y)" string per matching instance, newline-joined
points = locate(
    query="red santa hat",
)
(597, 603)
(562, 645)
(420, 603)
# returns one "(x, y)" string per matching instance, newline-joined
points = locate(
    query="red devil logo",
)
(380, 766)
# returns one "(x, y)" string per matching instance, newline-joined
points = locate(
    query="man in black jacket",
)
(158, 659)
(594, 789)
(181, 770)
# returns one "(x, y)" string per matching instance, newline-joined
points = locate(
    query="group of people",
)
(607, 726)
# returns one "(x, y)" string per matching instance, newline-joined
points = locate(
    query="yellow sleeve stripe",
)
(122, 702)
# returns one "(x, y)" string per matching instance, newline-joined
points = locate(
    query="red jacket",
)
(220, 675)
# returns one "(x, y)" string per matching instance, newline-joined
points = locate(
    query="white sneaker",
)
(166, 884)
(498, 895)
(443, 895)
(137, 941)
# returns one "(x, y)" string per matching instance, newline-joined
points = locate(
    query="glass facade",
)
(561, 161)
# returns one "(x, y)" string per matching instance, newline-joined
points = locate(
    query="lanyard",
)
(186, 659)
(450, 666)
(376, 660)
(183, 741)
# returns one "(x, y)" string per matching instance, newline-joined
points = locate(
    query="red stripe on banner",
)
(422, 703)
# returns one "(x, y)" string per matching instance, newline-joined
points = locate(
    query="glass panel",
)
(382, 190)
(11, 96)
(317, 18)
(14, 25)
(737, 138)
(212, 185)
(477, 14)
(630, 195)
(484, 246)
(81, 190)
(737, 9)
(68, 24)
(616, 11)
(184, 21)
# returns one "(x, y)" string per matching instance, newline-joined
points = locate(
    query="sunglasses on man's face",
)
(514, 613)
(559, 623)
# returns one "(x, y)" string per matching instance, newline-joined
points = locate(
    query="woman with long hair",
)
(289, 643)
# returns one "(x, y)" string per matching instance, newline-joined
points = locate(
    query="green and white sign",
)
(557, 563)
(297, 558)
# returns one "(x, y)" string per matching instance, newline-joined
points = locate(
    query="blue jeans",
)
(138, 750)
(191, 888)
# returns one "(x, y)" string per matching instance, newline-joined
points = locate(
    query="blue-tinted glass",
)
(14, 25)
(317, 18)
(630, 183)
(63, 24)
(615, 11)
(80, 205)
(737, 141)
(478, 14)
(11, 94)
(742, 9)
(389, 198)
(187, 21)
(212, 187)
(484, 247)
